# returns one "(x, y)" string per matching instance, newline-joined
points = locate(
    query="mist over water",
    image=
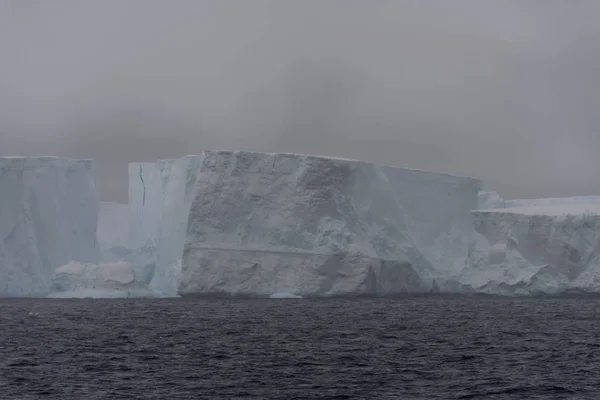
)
(505, 91)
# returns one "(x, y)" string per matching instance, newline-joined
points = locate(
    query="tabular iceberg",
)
(534, 250)
(48, 217)
(315, 226)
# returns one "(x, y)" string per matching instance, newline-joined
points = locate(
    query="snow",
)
(492, 201)
(555, 201)
(113, 280)
(48, 217)
(564, 210)
(263, 223)
(113, 231)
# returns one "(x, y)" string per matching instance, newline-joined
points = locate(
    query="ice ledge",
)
(548, 210)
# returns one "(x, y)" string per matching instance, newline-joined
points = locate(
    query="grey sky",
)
(502, 90)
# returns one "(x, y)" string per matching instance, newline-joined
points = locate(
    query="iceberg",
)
(160, 197)
(282, 225)
(48, 218)
(534, 249)
(262, 223)
(114, 280)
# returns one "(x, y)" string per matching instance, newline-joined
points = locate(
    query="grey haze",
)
(502, 90)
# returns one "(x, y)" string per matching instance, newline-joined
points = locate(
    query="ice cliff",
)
(535, 249)
(284, 226)
(316, 226)
(48, 217)
(113, 231)
(160, 196)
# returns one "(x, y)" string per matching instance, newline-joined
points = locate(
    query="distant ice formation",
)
(240, 223)
(534, 250)
(48, 217)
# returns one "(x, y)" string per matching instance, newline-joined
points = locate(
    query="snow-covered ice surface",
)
(555, 201)
(48, 217)
(265, 223)
(160, 197)
(492, 200)
(114, 280)
(535, 249)
(113, 231)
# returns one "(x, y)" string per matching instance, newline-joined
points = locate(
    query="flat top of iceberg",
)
(312, 156)
(551, 210)
(45, 158)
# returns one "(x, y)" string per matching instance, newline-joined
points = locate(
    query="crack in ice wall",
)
(159, 207)
(143, 187)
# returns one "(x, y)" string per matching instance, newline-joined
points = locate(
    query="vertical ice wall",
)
(519, 245)
(264, 223)
(113, 231)
(48, 217)
(160, 195)
(438, 208)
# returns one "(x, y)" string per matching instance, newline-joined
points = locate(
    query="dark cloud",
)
(504, 90)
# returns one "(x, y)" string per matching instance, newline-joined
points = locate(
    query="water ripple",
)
(423, 348)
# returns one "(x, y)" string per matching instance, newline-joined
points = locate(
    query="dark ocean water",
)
(421, 348)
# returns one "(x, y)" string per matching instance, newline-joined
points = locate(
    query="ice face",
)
(160, 196)
(115, 280)
(438, 210)
(316, 226)
(48, 217)
(534, 249)
(113, 231)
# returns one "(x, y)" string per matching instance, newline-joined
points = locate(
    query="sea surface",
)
(405, 348)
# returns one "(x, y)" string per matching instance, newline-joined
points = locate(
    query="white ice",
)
(530, 250)
(318, 226)
(98, 280)
(48, 217)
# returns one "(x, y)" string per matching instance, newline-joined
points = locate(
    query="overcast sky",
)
(507, 91)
